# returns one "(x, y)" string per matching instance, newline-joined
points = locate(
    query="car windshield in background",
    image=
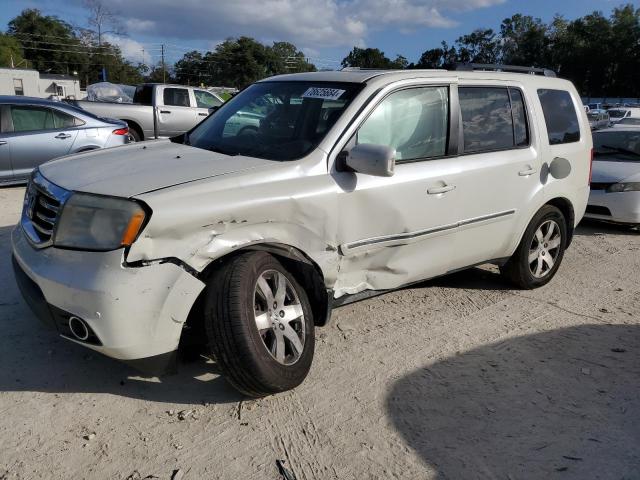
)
(629, 121)
(623, 146)
(274, 120)
(617, 113)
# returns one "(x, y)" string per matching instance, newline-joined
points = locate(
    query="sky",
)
(326, 30)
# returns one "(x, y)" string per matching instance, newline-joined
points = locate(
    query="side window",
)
(64, 120)
(176, 97)
(205, 99)
(414, 122)
(520, 128)
(487, 123)
(28, 119)
(560, 116)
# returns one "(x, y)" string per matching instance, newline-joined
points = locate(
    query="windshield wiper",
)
(621, 150)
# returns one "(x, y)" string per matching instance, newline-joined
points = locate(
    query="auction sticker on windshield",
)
(323, 93)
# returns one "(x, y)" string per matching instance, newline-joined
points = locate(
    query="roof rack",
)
(470, 67)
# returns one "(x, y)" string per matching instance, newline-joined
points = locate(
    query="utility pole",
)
(164, 71)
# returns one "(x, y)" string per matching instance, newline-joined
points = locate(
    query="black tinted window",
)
(560, 116)
(177, 97)
(143, 95)
(487, 123)
(520, 129)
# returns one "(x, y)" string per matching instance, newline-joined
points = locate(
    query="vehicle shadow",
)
(35, 359)
(590, 228)
(559, 404)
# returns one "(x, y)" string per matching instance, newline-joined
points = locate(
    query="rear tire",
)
(133, 135)
(540, 252)
(259, 325)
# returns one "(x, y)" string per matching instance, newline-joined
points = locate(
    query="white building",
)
(31, 83)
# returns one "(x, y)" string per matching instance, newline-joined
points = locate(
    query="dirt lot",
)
(458, 378)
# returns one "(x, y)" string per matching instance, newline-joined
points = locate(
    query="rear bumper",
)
(623, 207)
(134, 313)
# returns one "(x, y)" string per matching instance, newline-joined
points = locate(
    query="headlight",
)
(94, 222)
(624, 187)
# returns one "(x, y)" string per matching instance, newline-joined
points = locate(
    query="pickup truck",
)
(158, 110)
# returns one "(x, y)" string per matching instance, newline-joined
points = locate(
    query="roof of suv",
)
(362, 76)
(22, 100)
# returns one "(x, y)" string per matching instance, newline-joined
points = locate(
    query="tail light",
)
(590, 166)
(121, 131)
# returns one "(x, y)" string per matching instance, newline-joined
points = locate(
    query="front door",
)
(176, 115)
(396, 230)
(204, 101)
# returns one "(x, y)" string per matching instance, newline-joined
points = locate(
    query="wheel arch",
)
(133, 125)
(304, 269)
(566, 207)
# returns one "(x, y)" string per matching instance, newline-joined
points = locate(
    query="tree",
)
(48, 42)
(479, 46)
(369, 58)
(288, 59)
(238, 62)
(10, 52)
(102, 19)
(525, 41)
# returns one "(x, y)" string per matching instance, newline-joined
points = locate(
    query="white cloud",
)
(308, 24)
(131, 49)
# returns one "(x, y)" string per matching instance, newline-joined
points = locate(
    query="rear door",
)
(6, 170)
(204, 101)
(37, 134)
(499, 170)
(176, 114)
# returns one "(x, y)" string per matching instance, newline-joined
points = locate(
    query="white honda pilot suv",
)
(243, 234)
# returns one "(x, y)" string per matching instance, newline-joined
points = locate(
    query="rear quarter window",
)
(560, 116)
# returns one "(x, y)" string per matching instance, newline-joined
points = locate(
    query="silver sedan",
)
(615, 184)
(34, 130)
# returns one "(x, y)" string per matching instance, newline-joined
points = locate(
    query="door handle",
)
(62, 136)
(165, 111)
(526, 173)
(437, 190)
(2, 142)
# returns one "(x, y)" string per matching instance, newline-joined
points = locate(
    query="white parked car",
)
(353, 183)
(615, 186)
(627, 122)
(619, 113)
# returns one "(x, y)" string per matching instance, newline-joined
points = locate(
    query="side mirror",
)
(213, 110)
(370, 159)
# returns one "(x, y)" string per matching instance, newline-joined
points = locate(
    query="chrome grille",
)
(43, 203)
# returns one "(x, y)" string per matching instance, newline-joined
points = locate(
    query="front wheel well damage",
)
(306, 272)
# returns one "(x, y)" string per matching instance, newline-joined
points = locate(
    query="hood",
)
(613, 172)
(142, 167)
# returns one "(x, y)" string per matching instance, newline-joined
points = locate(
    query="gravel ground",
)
(458, 378)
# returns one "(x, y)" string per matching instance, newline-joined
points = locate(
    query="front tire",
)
(541, 250)
(259, 325)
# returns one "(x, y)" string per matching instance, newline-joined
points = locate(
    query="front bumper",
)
(622, 207)
(135, 313)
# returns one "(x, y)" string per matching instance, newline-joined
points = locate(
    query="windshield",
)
(593, 116)
(274, 120)
(617, 113)
(616, 145)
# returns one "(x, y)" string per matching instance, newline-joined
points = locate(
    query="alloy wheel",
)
(279, 317)
(544, 249)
